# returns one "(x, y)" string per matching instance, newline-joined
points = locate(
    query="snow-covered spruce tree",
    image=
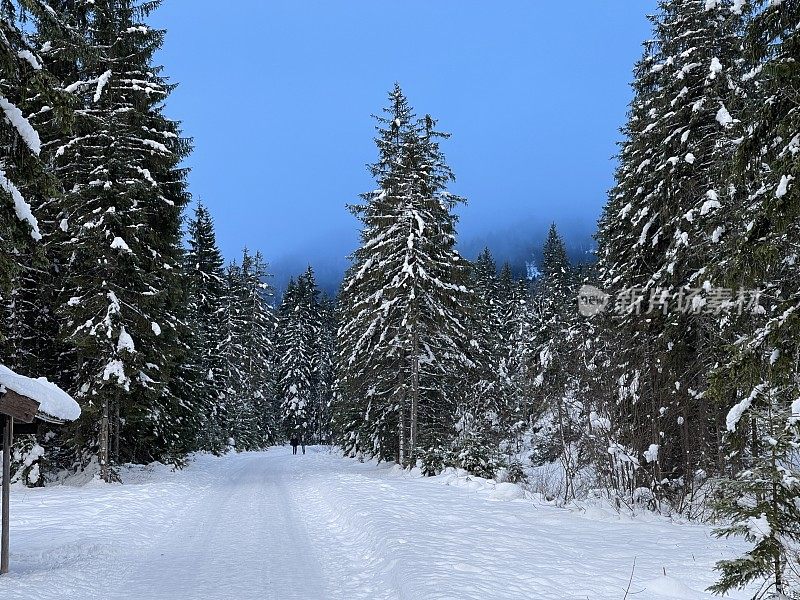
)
(304, 355)
(555, 382)
(402, 333)
(486, 414)
(295, 361)
(371, 409)
(31, 101)
(325, 371)
(517, 339)
(120, 303)
(486, 331)
(249, 377)
(479, 411)
(760, 378)
(28, 92)
(657, 237)
(204, 366)
(232, 352)
(56, 34)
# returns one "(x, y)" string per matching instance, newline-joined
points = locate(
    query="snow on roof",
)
(53, 401)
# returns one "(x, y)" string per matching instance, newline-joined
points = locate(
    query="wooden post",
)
(8, 433)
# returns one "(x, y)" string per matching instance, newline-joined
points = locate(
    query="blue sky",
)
(278, 94)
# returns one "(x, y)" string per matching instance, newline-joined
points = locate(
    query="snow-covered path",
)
(317, 527)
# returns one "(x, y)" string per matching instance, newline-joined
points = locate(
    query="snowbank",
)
(53, 401)
(493, 490)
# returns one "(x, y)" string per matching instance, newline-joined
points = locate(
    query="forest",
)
(662, 374)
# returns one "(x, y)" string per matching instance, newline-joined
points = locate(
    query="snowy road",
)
(317, 527)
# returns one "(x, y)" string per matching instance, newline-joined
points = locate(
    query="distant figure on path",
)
(294, 442)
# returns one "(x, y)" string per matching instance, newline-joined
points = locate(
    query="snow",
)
(669, 587)
(783, 186)
(598, 422)
(724, 117)
(22, 125)
(156, 145)
(738, 5)
(125, 341)
(156, 328)
(119, 244)
(759, 527)
(739, 408)
(795, 411)
(53, 401)
(101, 83)
(651, 454)
(708, 205)
(115, 369)
(21, 207)
(716, 67)
(31, 58)
(269, 525)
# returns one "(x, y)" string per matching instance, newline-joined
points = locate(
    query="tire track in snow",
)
(244, 542)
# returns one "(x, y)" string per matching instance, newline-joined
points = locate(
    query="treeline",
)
(684, 393)
(167, 349)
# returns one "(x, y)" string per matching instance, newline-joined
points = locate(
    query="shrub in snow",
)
(476, 456)
(515, 472)
(26, 461)
(433, 461)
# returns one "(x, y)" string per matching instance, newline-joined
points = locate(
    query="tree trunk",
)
(104, 455)
(414, 392)
(401, 423)
(117, 426)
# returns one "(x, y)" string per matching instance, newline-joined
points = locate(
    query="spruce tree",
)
(120, 304)
(204, 366)
(556, 379)
(296, 357)
(657, 237)
(758, 381)
(325, 370)
(250, 330)
(483, 418)
(29, 96)
(516, 339)
(404, 331)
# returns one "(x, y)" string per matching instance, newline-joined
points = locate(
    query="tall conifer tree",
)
(403, 332)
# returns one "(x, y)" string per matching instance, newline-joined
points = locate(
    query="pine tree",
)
(297, 360)
(250, 329)
(759, 378)
(517, 339)
(657, 237)
(204, 366)
(325, 370)
(29, 95)
(556, 377)
(121, 301)
(403, 332)
(483, 418)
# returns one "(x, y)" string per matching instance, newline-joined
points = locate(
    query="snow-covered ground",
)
(317, 526)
